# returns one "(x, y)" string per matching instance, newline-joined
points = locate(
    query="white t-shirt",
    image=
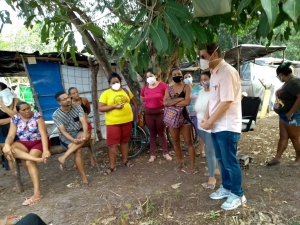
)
(200, 106)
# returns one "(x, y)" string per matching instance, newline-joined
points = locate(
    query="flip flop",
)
(208, 186)
(86, 185)
(30, 201)
(273, 162)
(109, 171)
(128, 164)
(62, 167)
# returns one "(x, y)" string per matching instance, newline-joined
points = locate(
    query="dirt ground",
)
(144, 195)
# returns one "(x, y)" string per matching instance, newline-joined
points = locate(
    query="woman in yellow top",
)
(115, 103)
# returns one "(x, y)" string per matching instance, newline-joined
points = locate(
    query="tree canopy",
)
(152, 33)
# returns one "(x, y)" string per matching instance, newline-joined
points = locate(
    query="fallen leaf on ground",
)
(175, 186)
(128, 205)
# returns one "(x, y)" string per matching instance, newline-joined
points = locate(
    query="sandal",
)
(128, 164)
(152, 158)
(168, 157)
(206, 185)
(86, 185)
(30, 201)
(109, 171)
(273, 162)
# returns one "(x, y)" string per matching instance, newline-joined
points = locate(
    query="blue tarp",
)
(46, 80)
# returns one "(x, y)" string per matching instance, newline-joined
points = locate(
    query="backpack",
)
(173, 115)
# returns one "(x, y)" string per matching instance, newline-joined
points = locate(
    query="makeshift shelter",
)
(48, 74)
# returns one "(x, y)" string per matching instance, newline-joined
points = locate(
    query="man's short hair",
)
(210, 48)
(58, 94)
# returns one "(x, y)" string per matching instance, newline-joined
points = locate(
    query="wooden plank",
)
(265, 104)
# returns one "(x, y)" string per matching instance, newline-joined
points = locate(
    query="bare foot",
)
(168, 157)
(152, 158)
(61, 164)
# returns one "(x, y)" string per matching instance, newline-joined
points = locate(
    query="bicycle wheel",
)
(137, 143)
(194, 137)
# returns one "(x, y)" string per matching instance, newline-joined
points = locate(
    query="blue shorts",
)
(295, 120)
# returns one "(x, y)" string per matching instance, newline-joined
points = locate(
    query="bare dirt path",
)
(144, 194)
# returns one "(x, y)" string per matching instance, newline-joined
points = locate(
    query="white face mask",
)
(116, 86)
(204, 63)
(188, 80)
(151, 80)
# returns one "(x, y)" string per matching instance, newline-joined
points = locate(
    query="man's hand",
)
(289, 115)
(8, 152)
(119, 106)
(77, 141)
(206, 124)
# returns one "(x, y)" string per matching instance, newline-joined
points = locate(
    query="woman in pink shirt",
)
(152, 96)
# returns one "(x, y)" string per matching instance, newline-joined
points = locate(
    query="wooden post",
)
(266, 100)
(17, 174)
(32, 88)
(238, 59)
(97, 128)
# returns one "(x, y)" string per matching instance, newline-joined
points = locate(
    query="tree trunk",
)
(134, 86)
(97, 128)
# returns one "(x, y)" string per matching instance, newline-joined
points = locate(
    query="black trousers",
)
(31, 219)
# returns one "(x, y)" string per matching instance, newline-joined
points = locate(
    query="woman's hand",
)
(119, 106)
(8, 152)
(46, 155)
(289, 115)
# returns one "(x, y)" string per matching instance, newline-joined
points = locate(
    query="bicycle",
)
(138, 141)
(194, 137)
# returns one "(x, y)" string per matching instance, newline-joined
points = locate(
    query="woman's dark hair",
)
(210, 48)
(207, 73)
(19, 104)
(70, 89)
(149, 71)
(284, 69)
(114, 75)
(174, 68)
(3, 86)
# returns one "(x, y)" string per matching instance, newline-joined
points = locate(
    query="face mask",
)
(151, 80)
(188, 80)
(204, 63)
(116, 86)
(177, 79)
(205, 84)
(7, 97)
(279, 78)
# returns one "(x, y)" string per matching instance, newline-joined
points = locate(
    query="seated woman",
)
(85, 105)
(7, 110)
(32, 146)
(177, 97)
(115, 103)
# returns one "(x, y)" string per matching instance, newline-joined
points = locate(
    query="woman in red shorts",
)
(32, 146)
(85, 105)
(115, 103)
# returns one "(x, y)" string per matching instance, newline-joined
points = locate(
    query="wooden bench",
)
(54, 150)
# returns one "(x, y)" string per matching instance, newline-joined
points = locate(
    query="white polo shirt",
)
(225, 85)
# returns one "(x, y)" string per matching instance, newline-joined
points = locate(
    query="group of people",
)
(214, 108)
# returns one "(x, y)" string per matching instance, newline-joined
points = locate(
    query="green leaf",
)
(281, 17)
(178, 10)
(287, 33)
(292, 8)
(215, 21)
(172, 23)
(72, 51)
(157, 23)
(199, 32)
(242, 5)
(186, 34)
(27, 23)
(264, 27)
(159, 38)
(94, 29)
(136, 39)
(297, 26)
(132, 72)
(140, 16)
(271, 10)
(171, 45)
(45, 33)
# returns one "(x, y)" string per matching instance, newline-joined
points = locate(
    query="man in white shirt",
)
(224, 118)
